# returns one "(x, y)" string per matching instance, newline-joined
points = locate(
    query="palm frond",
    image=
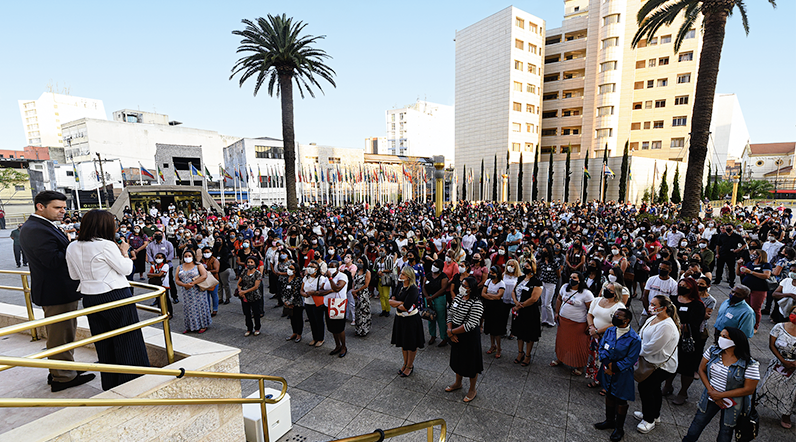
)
(648, 7)
(744, 19)
(691, 15)
(664, 15)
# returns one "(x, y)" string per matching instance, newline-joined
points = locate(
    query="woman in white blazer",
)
(100, 263)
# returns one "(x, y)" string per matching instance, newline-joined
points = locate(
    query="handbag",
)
(428, 313)
(209, 283)
(336, 307)
(772, 283)
(747, 426)
(687, 344)
(644, 368)
(785, 305)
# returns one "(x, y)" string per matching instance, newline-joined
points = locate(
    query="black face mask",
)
(573, 284)
(683, 291)
(617, 322)
(735, 299)
(249, 266)
(607, 294)
(527, 270)
(663, 273)
(158, 237)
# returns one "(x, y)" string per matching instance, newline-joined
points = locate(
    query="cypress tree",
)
(663, 194)
(603, 180)
(508, 172)
(567, 174)
(464, 183)
(494, 180)
(550, 178)
(586, 177)
(623, 175)
(481, 181)
(519, 181)
(676, 186)
(535, 188)
(714, 193)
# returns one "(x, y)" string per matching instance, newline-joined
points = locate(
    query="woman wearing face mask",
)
(616, 276)
(249, 294)
(526, 325)
(385, 265)
(159, 275)
(572, 338)
(434, 293)
(463, 332)
(258, 242)
(599, 317)
(785, 290)
(138, 242)
(575, 259)
(283, 258)
(659, 338)
(479, 271)
(691, 313)
(730, 376)
(313, 289)
(407, 330)
(195, 306)
(754, 275)
(349, 269)
(777, 392)
(499, 258)
(271, 259)
(338, 282)
(360, 284)
(782, 265)
(293, 301)
(212, 266)
(549, 272)
(495, 311)
(619, 350)
(594, 276)
(246, 251)
(617, 258)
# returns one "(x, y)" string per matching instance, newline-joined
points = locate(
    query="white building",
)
(499, 69)
(376, 145)
(42, 119)
(728, 130)
(421, 129)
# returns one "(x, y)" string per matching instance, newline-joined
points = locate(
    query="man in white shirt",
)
(772, 248)
(660, 284)
(673, 237)
(468, 240)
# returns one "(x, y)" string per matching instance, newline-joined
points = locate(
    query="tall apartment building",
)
(420, 129)
(499, 69)
(600, 92)
(42, 118)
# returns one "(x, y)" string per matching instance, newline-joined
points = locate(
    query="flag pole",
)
(77, 185)
(221, 186)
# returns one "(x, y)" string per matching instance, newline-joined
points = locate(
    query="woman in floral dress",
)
(195, 305)
(777, 391)
(362, 300)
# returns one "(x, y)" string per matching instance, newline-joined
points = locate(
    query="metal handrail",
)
(378, 436)
(32, 324)
(129, 369)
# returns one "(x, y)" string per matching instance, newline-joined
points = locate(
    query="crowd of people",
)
(509, 271)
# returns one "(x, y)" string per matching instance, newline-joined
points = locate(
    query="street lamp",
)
(776, 180)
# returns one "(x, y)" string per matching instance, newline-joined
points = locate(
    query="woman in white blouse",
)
(101, 264)
(659, 338)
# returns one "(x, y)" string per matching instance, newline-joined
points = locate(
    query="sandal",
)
(602, 392)
(593, 384)
(527, 361)
(576, 372)
(785, 424)
(468, 398)
(491, 350)
(497, 354)
(555, 363)
(520, 357)
(450, 388)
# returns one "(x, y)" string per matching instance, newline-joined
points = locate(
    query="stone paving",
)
(335, 397)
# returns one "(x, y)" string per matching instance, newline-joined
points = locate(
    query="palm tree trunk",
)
(288, 138)
(712, 42)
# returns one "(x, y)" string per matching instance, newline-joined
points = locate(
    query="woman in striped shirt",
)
(464, 318)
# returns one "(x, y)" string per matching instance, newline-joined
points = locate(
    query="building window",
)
(663, 61)
(530, 108)
(605, 110)
(528, 147)
(549, 78)
(531, 88)
(683, 99)
(603, 133)
(637, 105)
(653, 41)
(666, 39)
(607, 88)
(519, 44)
(517, 86)
(633, 146)
(570, 131)
(638, 85)
(656, 145)
(641, 64)
(647, 125)
(686, 56)
(549, 132)
(520, 23)
(533, 49)
(660, 103)
(642, 44)
(517, 65)
(530, 128)
(19, 186)
(550, 96)
(663, 82)
(268, 152)
(547, 150)
(515, 147)
(645, 145)
(516, 127)
(678, 142)
(533, 28)
(657, 124)
(531, 68)
(652, 62)
(635, 126)
(650, 83)
(517, 107)
(683, 78)
(550, 114)
(610, 19)
(570, 112)
(679, 121)
(401, 116)
(690, 34)
(648, 104)
(607, 66)
(609, 42)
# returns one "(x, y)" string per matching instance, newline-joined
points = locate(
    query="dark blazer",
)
(45, 248)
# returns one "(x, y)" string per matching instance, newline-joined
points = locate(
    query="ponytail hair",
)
(670, 309)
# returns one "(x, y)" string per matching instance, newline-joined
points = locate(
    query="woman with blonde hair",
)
(526, 325)
(407, 330)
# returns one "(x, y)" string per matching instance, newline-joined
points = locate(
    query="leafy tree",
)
(676, 186)
(464, 183)
(277, 54)
(11, 177)
(647, 195)
(550, 178)
(663, 195)
(623, 173)
(654, 14)
(567, 174)
(494, 180)
(519, 181)
(535, 188)
(756, 189)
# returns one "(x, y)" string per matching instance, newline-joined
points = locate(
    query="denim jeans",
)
(701, 420)
(212, 298)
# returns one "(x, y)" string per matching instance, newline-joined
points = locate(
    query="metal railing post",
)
(29, 305)
(263, 410)
(164, 311)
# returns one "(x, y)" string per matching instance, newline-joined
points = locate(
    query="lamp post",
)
(439, 175)
(504, 196)
(735, 179)
(776, 180)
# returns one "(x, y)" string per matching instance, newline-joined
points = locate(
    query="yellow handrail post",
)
(430, 431)
(263, 409)
(164, 311)
(34, 334)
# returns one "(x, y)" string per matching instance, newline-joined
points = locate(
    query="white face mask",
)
(614, 252)
(510, 269)
(702, 245)
(501, 252)
(462, 291)
(311, 271)
(331, 251)
(612, 278)
(158, 261)
(462, 269)
(653, 310)
(434, 269)
(207, 255)
(289, 272)
(684, 244)
(725, 343)
(188, 259)
(447, 259)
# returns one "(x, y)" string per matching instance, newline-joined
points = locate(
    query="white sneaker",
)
(645, 427)
(640, 416)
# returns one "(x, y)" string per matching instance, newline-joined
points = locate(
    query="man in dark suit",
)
(44, 244)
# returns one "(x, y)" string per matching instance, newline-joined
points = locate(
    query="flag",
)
(630, 175)
(74, 171)
(176, 174)
(195, 171)
(145, 172)
(124, 175)
(251, 174)
(224, 173)
(160, 174)
(608, 171)
(259, 173)
(207, 173)
(586, 172)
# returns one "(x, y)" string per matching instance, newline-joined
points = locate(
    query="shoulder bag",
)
(747, 426)
(209, 283)
(644, 368)
(687, 344)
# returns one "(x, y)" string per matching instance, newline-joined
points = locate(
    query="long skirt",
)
(407, 332)
(496, 317)
(126, 349)
(572, 343)
(362, 318)
(466, 357)
(526, 326)
(777, 391)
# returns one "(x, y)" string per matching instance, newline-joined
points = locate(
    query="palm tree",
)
(277, 54)
(657, 13)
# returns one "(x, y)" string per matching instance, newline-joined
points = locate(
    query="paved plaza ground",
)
(335, 397)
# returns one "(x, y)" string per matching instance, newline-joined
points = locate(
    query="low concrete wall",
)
(216, 423)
